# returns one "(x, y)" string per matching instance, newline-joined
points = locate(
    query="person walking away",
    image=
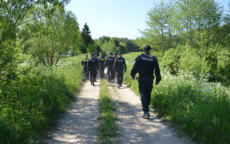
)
(109, 61)
(85, 68)
(95, 57)
(119, 67)
(92, 66)
(101, 61)
(145, 65)
(113, 71)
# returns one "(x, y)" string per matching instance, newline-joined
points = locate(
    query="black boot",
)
(146, 115)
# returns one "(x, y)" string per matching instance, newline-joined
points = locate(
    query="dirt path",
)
(79, 125)
(136, 129)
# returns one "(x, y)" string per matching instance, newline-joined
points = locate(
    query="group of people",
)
(145, 64)
(115, 67)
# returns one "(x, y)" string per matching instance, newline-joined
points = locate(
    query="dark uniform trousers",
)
(93, 74)
(85, 72)
(109, 73)
(101, 71)
(113, 74)
(119, 76)
(145, 89)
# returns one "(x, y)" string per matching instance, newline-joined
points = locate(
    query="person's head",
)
(101, 54)
(115, 55)
(110, 54)
(86, 56)
(147, 49)
(92, 55)
(119, 54)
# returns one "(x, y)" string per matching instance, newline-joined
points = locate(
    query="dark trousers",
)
(101, 71)
(119, 77)
(85, 72)
(145, 89)
(109, 73)
(93, 75)
(113, 74)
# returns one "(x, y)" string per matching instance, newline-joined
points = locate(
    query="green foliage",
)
(199, 108)
(198, 23)
(58, 34)
(86, 36)
(129, 44)
(34, 102)
(113, 45)
(12, 38)
(107, 129)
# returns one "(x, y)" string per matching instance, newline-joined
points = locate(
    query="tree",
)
(108, 44)
(58, 34)
(86, 35)
(160, 26)
(13, 16)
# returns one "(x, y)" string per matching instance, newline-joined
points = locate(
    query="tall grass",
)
(107, 130)
(33, 103)
(199, 108)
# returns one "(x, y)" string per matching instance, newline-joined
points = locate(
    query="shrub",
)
(33, 103)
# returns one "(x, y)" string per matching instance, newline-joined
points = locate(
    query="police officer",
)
(95, 57)
(119, 67)
(85, 69)
(109, 61)
(113, 71)
(92, 66)
(101, 61)
(145, 65)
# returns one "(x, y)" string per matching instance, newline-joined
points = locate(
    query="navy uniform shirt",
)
(109, 61)
(119, 64)
(101, 61)
(92, 63)
(84, 62)
(145, 65)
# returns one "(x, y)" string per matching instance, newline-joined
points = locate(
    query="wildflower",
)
(15, 95)
(42, 102)
(184, 115)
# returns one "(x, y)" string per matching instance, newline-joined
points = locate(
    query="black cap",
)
(101, 53)
(115, 54)
(110, 53)
(119, 53)
(147, 48)
(92, 54)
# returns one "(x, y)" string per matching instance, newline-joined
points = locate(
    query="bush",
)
(34, 102)
(201, 109)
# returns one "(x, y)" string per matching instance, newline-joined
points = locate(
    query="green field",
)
(199, 108)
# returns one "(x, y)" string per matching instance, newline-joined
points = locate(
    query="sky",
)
(115, 18)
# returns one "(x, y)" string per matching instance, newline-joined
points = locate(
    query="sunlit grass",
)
(107, 130)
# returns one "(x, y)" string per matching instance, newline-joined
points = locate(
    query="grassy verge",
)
(199, 108)
(34, 102)
(107, 130)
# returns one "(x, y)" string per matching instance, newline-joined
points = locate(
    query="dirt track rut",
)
(79, 125)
